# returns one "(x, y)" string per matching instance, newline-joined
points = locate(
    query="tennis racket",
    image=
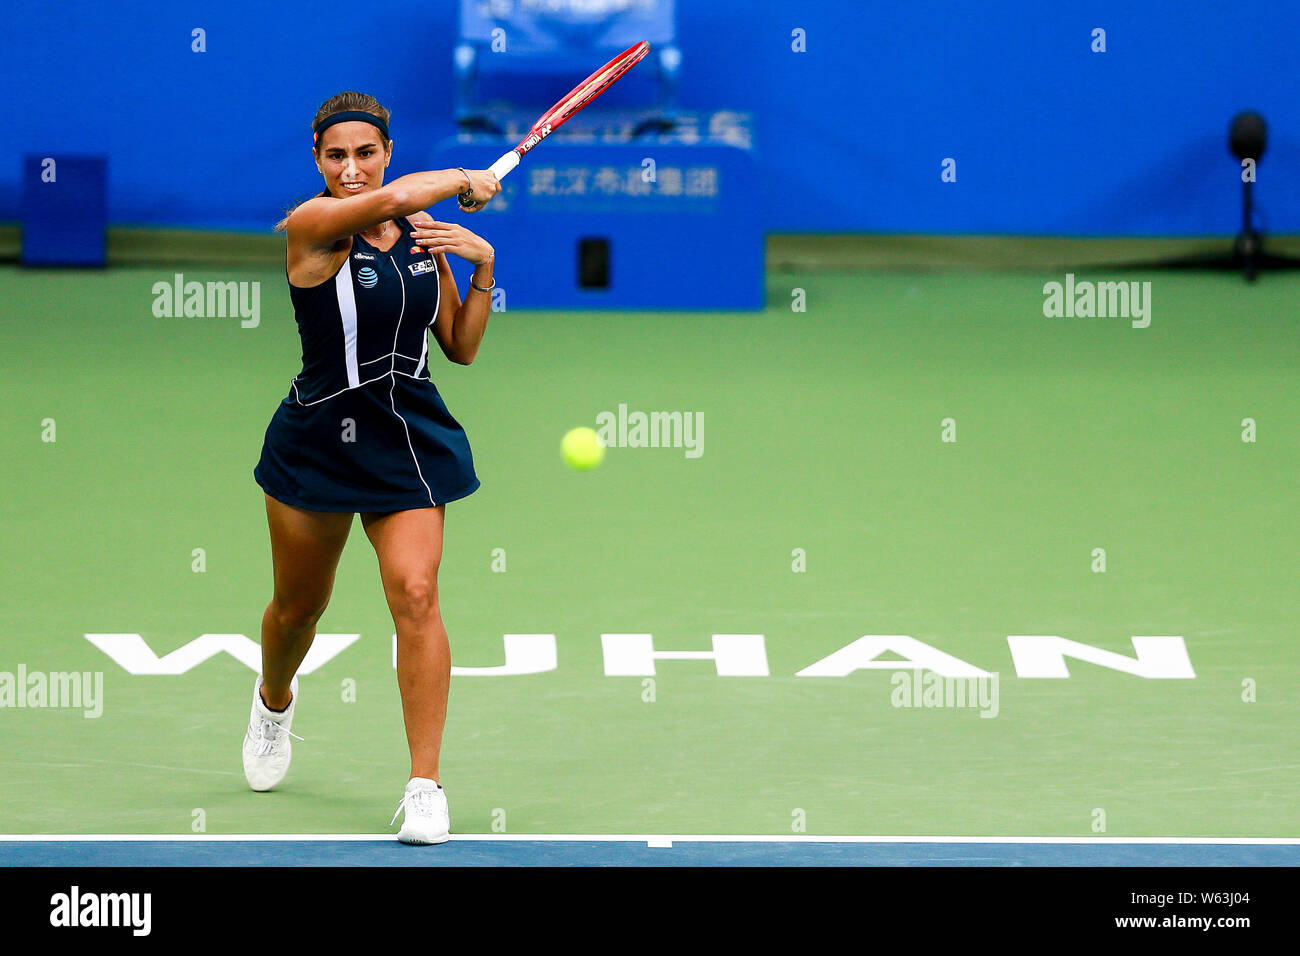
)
(573, 101)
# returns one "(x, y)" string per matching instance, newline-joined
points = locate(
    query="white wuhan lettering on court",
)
(730, 655)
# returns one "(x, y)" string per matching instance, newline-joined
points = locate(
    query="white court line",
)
(651, 839)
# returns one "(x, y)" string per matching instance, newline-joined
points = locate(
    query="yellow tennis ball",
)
(582, 449)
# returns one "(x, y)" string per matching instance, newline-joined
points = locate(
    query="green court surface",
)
(822, 432)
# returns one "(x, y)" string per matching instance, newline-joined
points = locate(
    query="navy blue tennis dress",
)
(363, 427)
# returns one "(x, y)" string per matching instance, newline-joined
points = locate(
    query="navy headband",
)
(349, 116)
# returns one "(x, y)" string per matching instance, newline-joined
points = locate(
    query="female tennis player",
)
(364, 431)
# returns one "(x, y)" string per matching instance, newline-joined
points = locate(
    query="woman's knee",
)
(296, 615)
(414, 597)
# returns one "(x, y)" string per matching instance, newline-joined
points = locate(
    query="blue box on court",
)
(65, 210)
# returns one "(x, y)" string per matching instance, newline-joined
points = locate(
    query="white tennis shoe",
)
(427, 819)
(267, 747)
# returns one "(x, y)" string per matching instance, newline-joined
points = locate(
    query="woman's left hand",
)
(433, 237)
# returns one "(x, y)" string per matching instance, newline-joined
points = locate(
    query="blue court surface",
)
(532, 850)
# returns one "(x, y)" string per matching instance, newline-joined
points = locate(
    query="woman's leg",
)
(409, 547)
(305, 550)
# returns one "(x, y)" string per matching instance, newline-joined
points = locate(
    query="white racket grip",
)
(503, 165)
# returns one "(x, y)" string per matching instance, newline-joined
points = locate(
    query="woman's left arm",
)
(460, 325)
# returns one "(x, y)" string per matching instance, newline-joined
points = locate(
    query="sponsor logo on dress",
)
(368, 277)
(419, 268)
(362, 255)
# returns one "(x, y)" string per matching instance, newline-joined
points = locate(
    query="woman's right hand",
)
(485, 186)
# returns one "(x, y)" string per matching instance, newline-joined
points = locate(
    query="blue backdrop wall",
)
(1048, 136)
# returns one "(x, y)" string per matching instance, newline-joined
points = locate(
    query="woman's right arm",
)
(324, 220)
